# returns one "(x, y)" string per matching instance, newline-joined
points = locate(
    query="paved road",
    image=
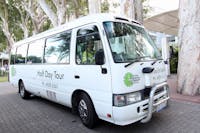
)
(37, 115)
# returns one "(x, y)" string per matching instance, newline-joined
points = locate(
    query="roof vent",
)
(119, 18)
(136, 22)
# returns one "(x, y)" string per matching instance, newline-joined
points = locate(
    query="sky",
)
(160, 6)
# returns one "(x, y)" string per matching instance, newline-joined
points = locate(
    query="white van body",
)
(121, 93)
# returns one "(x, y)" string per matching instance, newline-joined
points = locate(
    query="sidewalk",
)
(172, 81)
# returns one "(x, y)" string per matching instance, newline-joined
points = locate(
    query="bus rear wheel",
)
(22, 91)
(86, 111)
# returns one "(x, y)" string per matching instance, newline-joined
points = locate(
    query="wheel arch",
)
(75, 98)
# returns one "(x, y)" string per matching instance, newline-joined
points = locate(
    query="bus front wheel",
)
(86, 111)
(22, 91)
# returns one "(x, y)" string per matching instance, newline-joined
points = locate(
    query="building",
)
(4, 61)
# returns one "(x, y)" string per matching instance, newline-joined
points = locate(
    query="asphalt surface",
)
(38, 115)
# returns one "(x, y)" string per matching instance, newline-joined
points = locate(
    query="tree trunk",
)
(49, 12)
(7, 33)
(24, 28)
(57, 17)
(94, 6)
(76, 6)
(189, 43)
(38, 18)
(61, 11)
(24, 21)
(138, 11)
(127, 8)
(132, 9)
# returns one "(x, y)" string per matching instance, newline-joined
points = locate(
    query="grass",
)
(4, 79)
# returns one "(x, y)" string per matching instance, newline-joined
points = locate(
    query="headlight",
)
(126, 99)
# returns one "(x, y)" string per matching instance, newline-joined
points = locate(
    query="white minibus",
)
(102, 66)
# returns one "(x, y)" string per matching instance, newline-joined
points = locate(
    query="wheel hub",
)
(82, 108)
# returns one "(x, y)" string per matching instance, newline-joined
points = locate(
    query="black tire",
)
(22, 91)
(86, 111)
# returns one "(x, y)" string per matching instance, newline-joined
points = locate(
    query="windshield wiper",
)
(159, 58)
(135, 60)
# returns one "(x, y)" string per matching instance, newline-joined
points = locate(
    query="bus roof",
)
(94, 18)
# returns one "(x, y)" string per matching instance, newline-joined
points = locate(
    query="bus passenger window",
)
(13, 56)
(57, 48)
(21, 54)
(35, 52)
(88, 43)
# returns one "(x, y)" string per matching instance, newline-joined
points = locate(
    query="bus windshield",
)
(129, 42)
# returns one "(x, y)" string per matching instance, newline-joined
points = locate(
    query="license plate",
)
(161, 106)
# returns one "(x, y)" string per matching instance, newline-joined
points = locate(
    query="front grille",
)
(146, 92)
(159, 90)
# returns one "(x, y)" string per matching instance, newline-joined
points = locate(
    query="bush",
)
(174, 61)
(3, 76)
(3, 73)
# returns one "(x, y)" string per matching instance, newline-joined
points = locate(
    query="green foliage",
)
(47, 25)
(174, 61)
(105, 6)
(74, 7)
(146, 9)
(14, 20)
(12, 16)
(21, 13)
(3, 43)
(83, 7)
(79, 9)
(50, 2)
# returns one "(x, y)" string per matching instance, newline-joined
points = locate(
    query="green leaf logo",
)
(13, 71)
(128, 79)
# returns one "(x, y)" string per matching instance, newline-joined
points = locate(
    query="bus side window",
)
(13, 56)
(35, 52)
(21, 54)
(88, 42)
(57, 48)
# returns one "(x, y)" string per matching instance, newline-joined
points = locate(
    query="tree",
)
(132, 9)
(146, 8)
(138, 10)
(32, 10)
(4, 24)
(104, 6)
(189, 45)
(19, 19)
(24, 18)
(77, 7)
(94, 6)
(3, 42)
(55, 10)
(127, 8)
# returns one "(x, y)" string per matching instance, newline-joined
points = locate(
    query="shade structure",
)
(166, 22)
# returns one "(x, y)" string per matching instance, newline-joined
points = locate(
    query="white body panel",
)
(156, 77)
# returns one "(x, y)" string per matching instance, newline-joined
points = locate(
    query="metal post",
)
(165, 53)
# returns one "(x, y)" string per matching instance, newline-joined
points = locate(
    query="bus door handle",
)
(76, 76)
(103, 70)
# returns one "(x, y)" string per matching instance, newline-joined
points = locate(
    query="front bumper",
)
(152, 104)
(142, 110)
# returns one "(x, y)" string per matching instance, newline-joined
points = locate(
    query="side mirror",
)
(99, 57)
